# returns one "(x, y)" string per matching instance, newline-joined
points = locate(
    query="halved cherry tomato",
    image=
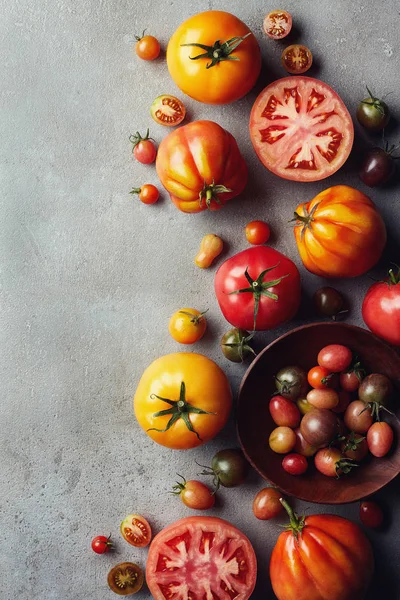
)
(136, 531)
(300, 129)
(277, 24)
(296, 59)
(147, 47)
(266, 504)
(257, 232)
(168, 110)
(194, 494)
(321, 378)
(148, 193)
(187, 325)
(126, 579)
(144, 149)
(201, 557)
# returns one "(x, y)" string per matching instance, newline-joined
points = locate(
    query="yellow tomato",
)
(183, 400)
(187, 325)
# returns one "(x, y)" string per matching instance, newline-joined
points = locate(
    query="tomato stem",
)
(137, 138)
(219, 51)
(297, 523)
(196, 319)
(209, 193)
(394, 278)
(135, 191)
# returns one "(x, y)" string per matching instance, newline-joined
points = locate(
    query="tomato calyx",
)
(180, 409)
(219, 51)
(352, 442)
(209, 193)
(259, 288)
(344, 466)
(140, 37)
(178, 488)
(137, 138)
(394, 278)
(242, 345)
(305, 220)
(195, 319)
(375, 408)
(297, 523)
(375, 102)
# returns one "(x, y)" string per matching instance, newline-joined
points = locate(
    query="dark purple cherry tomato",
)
(380, 439)
(291, 382)
(358, 417)
(295, 464)
(349, 381)
(378, 167)
(284, 412)
(373, 113)
(376, 390)
(335, 357)
(328, 302)
(266, 504)
(319, 427)
(371, 514)
(302, 446)
(355, 446)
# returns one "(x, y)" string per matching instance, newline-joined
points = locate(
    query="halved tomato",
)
(201, 557)
(301, 129)
(126, 579)
(296, 59)
(136, 531)
(277, 24)
(168, 110)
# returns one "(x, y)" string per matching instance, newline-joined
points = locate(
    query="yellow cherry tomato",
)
(187, 325)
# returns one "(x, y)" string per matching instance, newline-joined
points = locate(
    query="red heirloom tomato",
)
(201, 557)
(321, 556)
(339, 233)
(201, 167)
(381, 308)
(258, 288)
(300, 129)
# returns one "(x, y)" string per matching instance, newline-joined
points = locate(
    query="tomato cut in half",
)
(296, 59)
(168, 110)
(277, 24)
(125, 579)
(200, 558)
(301, 129)
(136, 531)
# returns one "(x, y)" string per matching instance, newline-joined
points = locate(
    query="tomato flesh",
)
(296, 59)
(277, 24)
(168, 110)
(136, 531)
(201, 558)
(300, 129)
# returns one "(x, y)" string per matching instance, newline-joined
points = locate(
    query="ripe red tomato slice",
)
(201, 557)
(136, 531)
(300, 129)
(168, 110)
(277, 24)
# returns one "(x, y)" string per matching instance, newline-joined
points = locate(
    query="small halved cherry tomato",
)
(296, 59)
(335, 357)
(168, 110)
(126, 579)
(101, 544)
(257, 232)
(147, 47)
(266, 504)
(194, 494)
(277, 24)
(136, 531)
(371, 514)
(380, 439)
(144, 149)
(187, 325)
(295, 464)
(321, 378)
(148, 193)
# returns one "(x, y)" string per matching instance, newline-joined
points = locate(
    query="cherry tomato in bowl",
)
(257, 232)
(335, 357)
(323, 398)
(282, 440)
(284, 412)
(297, 59)
(277, 24)
(321, 378)
(358, 417)
(168, 110)
(295, 464)
(380, 439)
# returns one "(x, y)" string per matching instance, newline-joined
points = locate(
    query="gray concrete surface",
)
(90, 276)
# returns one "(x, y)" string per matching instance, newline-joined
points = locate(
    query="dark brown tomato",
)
(319, 427)
(266, 504)
(355, 447)
(358, 417)
(125, 579)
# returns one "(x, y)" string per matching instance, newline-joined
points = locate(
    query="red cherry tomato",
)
(321, 378)
(148, 193)
(335, 357)
(277, 24)
(350, 381)
(144, 149)
(295, 464)
(358, 417)
(331, 462)
(266, 504)
(296, 59)
(302, 446)
(381, 308)
(101, 544)
(194, 494)
(284, 412)
(257, 232)
(323, 398)
(147, 47)
(380, 439)
(371, 514)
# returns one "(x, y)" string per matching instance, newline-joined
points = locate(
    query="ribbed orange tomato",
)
(340, 233)
(201, 167)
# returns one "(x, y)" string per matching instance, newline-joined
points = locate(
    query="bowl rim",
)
(243, 382)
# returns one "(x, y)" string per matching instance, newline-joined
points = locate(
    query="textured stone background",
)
(90, 276)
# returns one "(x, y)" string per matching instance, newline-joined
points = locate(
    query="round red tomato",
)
(295, 464)
(335, 357)
(380, 439)
(284, 412)
(258, 288)
(321, 378)
(381, 308)
(257, 232)
(201, 167)
(300, 129)
(371, 514)
(201, 557)
(321, 556)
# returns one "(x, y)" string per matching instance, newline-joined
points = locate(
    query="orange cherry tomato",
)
(277, 24)
(187, 325)
(194, 494)
(147, 47)
(321, 378)
(257, 232)
(296, 59)
(340, 233)
(168, 110)
(148, 193)
(214, 57)
(136, 531)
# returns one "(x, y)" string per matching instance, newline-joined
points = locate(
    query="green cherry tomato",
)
(229, 468)
(235, 345)
(373, 113)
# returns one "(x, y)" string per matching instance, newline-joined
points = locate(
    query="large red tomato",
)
(321, 557)
(201, 558)
(381, 308)
(340, 233)
(200, 165)
(301, 129)
(258, 288)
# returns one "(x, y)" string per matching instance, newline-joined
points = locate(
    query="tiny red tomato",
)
(148, 193)
(194, 494)
(257, 232)
(282, 440)
(335, 357)
(144, 149)
(136, 530)
(371, 514)
(380, 439)
(358, 417)
(323, 398)
(302, 446)
(295, 464)
(344, 401)
(147, 47)
(168, 110)
(266, 504)
(101, 544)
(284, 412)
(321, 378)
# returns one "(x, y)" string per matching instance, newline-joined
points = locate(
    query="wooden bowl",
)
(254, 423)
